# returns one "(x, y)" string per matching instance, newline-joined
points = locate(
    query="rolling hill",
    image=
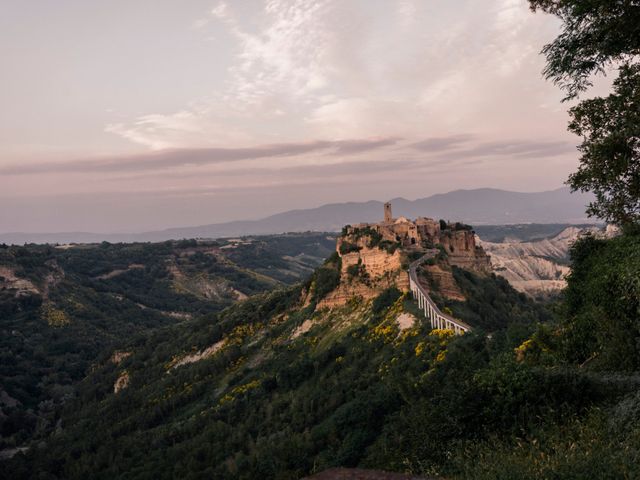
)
(478, 207)
(63, 309)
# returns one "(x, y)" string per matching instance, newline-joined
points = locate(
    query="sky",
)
(134, 115)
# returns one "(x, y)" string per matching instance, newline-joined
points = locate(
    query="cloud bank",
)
(298, 103)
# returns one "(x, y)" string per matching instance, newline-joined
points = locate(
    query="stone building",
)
(371, 262)
(458, 240)
(388, 216)
(420, 232)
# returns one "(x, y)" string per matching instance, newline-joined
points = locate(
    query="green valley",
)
(288, 383)
(65, 309)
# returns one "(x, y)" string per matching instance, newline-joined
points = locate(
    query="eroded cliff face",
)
(122, 382)
(19, 287)
(376, 261)
(538, 267)
(443, 280)
(369, 265)
(463, 251)
(367, 272)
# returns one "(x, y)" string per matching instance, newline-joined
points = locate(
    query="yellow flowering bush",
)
(239, 390)
(443, 335)
(530, 349)
(385, 332)
(53, 316)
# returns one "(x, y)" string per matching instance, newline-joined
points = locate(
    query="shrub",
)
(601, 301)
(462, 226)
(375, 238)
(326, 279)
(334, 259)
(354, 270)
(387, 298)
(348, 247)
(388, 246)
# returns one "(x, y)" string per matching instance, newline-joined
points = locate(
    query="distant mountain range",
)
(485, 206)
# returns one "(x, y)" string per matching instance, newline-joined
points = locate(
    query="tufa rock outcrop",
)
(463, 251)
(366, 270)
(374, 257)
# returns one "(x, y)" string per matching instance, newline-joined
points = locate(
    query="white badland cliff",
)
(538, 267)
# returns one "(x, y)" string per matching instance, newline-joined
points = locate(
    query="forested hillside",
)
(65, 309)
(254, 358)
(289, 389)
(274, 387)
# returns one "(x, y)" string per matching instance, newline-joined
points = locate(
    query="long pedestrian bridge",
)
(437, 318)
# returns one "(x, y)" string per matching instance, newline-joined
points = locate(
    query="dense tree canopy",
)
(83, 303)
(610, 162)
(598, 36)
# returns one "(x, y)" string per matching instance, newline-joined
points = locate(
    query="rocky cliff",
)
(538, 267)
(439, 277)
(370, 263)
(463, 251)
(366, 271)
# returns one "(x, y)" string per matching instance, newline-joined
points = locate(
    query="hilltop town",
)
(375, 256)
(458, 239)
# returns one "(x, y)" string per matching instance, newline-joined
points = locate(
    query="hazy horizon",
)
(482, 206)
(134, 116)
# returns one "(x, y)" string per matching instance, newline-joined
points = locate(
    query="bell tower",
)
(388, 216)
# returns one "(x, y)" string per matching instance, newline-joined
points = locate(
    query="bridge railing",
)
(437, 318)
